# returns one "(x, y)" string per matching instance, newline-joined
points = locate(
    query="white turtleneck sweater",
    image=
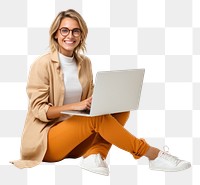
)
(73, 89)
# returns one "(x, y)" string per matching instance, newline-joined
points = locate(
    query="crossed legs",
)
(82, 136)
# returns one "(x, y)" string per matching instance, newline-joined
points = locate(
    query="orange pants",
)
(81, 136)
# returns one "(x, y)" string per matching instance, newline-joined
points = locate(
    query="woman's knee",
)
(121, 117)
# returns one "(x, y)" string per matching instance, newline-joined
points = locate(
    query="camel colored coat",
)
(45, 88)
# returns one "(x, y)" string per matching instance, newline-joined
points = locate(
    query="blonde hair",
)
(55, 26)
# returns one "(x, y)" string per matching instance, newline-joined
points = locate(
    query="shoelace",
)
(98, 160)
(169, 157)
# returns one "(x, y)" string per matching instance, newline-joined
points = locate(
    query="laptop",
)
(114, 91)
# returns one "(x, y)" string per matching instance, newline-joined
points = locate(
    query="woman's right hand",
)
(83, 105)
(54, 111)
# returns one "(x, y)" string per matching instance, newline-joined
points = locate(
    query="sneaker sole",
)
(171, 170)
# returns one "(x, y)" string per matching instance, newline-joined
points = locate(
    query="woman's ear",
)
(55, 36)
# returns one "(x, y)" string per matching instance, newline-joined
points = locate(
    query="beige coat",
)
(45, 88)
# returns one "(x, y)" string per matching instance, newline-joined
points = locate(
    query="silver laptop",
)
(114, 91)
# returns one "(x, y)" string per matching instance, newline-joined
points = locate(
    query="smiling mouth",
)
(69, 42)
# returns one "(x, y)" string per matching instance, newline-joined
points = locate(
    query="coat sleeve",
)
(38, 90)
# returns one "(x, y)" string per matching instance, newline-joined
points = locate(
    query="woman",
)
(62, 80)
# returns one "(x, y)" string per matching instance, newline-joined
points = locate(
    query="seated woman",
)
(62, 80)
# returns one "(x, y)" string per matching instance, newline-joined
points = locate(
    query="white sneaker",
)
(168, 163)
(94, 163)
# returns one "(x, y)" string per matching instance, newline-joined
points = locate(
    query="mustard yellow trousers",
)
(82, 136)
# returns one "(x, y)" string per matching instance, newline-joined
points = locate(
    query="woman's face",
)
(68, 40)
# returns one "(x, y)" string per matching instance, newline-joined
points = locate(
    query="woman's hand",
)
(54, 111)
(83, 105)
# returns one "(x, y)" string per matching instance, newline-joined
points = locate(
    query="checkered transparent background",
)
(162, 36)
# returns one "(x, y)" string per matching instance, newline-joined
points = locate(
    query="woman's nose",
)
(70, 34)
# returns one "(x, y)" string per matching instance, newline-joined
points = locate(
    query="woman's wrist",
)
(54, 111)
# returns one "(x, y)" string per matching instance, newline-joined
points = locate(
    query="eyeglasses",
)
(76, 32)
